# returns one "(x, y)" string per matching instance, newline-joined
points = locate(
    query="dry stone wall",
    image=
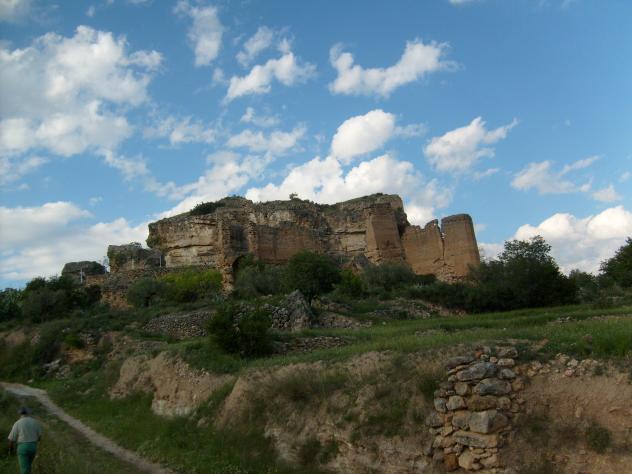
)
(474, 411)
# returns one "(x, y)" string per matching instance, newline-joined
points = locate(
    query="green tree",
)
(145, 292)
(312, 274)
(524, 275)
(9, 304)
(619, 267)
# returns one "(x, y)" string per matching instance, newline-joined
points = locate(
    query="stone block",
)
(488, 421)
(476, 440)
(478, 371)
(455, 402)
(478, 402)
(491, 386)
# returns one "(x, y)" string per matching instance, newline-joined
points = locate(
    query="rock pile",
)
(293, 314)
(474, 409)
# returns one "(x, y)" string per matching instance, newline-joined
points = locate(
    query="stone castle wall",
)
(374, 227)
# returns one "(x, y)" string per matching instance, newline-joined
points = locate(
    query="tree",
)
(242, 330)
(9, 304)
(524, 275)
(312, 274)
(619, 267)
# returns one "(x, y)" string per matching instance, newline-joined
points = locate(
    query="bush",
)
(145, 292)
(205, 208)
(257, 279)
(312, 274)
(587, 286)
(45, 304)
(247, 334)
(350, 284)
(191, 285)
(388, 276)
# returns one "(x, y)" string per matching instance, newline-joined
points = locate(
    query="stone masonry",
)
(474, 410)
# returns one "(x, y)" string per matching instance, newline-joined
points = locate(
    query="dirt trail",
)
(94, 437)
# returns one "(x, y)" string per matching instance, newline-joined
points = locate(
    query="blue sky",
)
(115, 113)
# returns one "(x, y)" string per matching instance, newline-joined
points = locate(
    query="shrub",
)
(598, 438)
(247, 334)
(145, 292)
(350, 283)
(205, 208)
(191, 285)
(45, 304)
(258, 279)
(312, 274)
(388, 276)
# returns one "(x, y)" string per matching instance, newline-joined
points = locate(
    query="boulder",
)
(488, 421)
(492, 387)
(458, 360)
(477, 371)
(293, 314)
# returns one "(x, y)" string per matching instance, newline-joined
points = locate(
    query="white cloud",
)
(324, 180)
(362, 134)
(458, 150)
(582, 242)
(68, 95)
(417, 61)
(13, 168)
(14, 10)
(205, 34)
(38, 241)
(260, 41)
(478, 175)
(287, 70)
(607, 194)
(412, 130)
(540, 176)
(625, 177)
(264, 121)
(178, 131)
(277, 142)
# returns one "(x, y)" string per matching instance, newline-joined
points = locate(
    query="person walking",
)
(25, 434)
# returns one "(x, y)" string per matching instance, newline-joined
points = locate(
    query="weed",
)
(598, 438)
(427, 383)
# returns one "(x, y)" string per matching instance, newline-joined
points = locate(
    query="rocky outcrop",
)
(133, 256)
(373, 227)
(78, 271)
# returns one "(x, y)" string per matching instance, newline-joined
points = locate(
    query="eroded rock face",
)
(374, 228)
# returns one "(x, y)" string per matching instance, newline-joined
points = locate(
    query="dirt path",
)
(94, 437)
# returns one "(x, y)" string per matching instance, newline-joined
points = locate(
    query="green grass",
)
(62, 450)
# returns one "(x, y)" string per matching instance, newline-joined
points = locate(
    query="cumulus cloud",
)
(362, 134)
(179, 131)
(260, 41)
(14, 10)
(541, 177)
(37, 241)
(458, 150)
(607, 194)
(287, 70)
(205, 34)
(325, 180)
(582, 242)
(418, 60)
(68, 95)
(276, 143)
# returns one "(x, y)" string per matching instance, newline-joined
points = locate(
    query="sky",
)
(116, 113)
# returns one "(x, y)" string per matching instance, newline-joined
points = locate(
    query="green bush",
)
(145, 292)
(45, 304)
(312, 274)
(191, 285)
(388, 276)
(239, 331)
(257, 279)
(205, 208)
(350, 284)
